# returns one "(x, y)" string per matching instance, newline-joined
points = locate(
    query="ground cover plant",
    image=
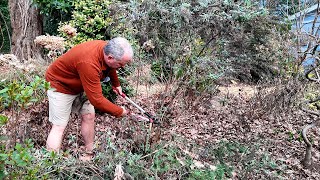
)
(224, 85)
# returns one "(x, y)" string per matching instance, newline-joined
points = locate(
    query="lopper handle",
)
(128, 99)
(151, 118)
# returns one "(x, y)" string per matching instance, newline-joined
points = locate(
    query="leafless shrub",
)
(13, 61)
(54, 44)
(310, 39)
(69, 30)
(279, 96)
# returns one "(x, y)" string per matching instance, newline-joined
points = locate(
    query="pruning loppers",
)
(149, 117)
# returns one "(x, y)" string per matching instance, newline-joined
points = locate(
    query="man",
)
(80, 70)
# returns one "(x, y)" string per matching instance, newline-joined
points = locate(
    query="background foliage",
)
(5, 28)
(53, 13)
(189, 43)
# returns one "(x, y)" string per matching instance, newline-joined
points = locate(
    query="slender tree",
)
(26, 23)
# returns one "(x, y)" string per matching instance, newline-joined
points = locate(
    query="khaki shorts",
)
(61, 105)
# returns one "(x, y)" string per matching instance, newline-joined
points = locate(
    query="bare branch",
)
(307, 161)
(315, 66)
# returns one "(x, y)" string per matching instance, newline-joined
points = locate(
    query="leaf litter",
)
(235, 115)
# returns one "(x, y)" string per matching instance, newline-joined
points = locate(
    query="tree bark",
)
(26, 23)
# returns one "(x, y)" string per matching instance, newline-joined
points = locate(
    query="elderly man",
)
(80, 70)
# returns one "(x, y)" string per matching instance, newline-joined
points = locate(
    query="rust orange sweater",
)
(81, 69)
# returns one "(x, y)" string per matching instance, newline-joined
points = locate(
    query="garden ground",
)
(246, 130)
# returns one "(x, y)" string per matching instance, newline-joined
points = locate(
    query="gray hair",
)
(117, 47)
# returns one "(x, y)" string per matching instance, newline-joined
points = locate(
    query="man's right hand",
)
(125, 112)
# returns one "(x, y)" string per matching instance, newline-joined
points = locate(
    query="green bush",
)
(199, 41)
(91, 20)
(24, 161)
(53, 13)
(18, 95)
(108, 92)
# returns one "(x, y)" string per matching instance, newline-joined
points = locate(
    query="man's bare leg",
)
(87, 131)
(55, 138)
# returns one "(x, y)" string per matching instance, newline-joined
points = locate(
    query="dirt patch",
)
(238, 90)
(5, 71)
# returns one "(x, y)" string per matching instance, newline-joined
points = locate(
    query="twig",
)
(139, 69)
(205, 46)
(147, 139)
(2, 43)
(302, 106)
(315, 19)
(153, 152)
(307, 161)
(42, 175)
(313, 69)
(95, 170)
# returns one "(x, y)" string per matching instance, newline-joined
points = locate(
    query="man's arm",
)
(90, 79)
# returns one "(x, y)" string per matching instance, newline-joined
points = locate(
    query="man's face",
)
(115, 63)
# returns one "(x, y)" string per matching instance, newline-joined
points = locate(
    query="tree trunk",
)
(26, 24)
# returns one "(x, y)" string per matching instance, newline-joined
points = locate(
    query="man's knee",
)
(90, 117)
(87, 108)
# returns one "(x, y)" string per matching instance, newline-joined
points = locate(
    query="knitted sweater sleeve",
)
(90, 79)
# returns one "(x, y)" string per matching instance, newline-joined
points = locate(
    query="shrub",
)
(90, 19)
(18, 95)
(188, 42)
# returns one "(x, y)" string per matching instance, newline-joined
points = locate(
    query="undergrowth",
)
(165, 161)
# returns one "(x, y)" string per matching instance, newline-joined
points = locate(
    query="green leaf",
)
(3, 90)
(3, 157)
(3, 120)
(18, 146)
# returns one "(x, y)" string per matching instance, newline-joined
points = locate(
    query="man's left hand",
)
(117, 90)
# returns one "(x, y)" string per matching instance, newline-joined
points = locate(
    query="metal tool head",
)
(152, 119)
(146, 119)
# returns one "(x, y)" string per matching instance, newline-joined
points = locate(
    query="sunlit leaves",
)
(21, 94)
(3, 120)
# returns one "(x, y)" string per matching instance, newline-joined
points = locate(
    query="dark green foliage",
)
(247, 155)
(161, 71)
(54, 12)
(49, 7)
(5, 27)
(219, 173)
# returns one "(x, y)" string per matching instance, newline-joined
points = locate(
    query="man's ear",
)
(109, 57)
